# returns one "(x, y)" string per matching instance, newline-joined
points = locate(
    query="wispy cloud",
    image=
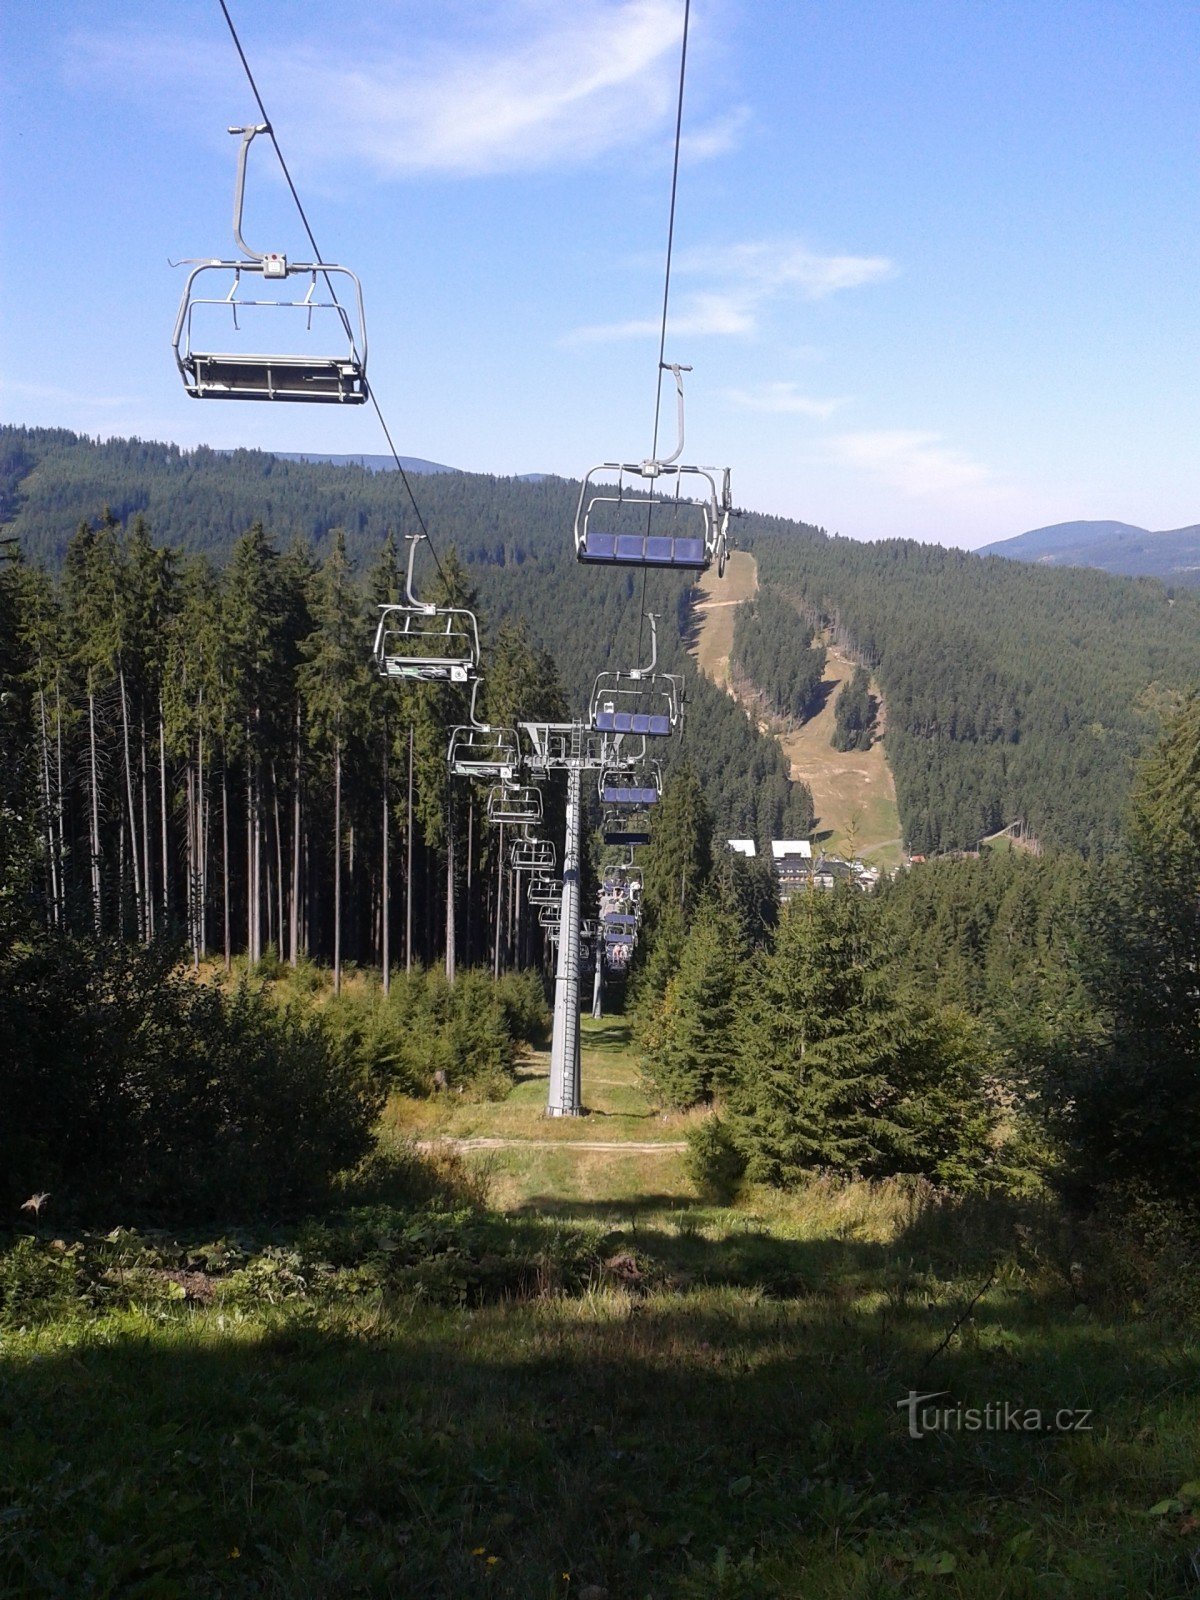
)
(914, 463)
(782, 399)
(52, 391)
(741, 281)
(761, 268)
(528, 85)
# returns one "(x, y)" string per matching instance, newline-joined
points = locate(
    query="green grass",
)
(706, 1409)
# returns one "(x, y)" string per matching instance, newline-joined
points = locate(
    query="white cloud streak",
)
(914, 463)
(782, 399)
(544, 85)
(742, 281)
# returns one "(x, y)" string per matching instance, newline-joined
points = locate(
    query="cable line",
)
(237, 44)
(662, 338)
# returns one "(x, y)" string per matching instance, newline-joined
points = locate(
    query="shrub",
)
(713, 1161)
(37, 1283)
(128, 1084)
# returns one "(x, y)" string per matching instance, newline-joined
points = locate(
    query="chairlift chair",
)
(633, 788)
(337, 378)
(657, 512)
(478, 750)
(629, 828)
(550, 915)
(544, 891)
(532, 855)
(638, 700)
(521, 803)
(420, 642)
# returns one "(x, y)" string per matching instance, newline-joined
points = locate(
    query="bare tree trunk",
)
(62, 843)
(385, 886)
(408, 870)
(450, 950)
(499, 904)
(468, 930)
(278, 863)
(133, 833)
(202, 820)
(48, 799)
(146, 874)
(250, 884)
(95, 818)
(191, 852)
(294, 929)
(337, 866)
(162, 806)
(225, 855)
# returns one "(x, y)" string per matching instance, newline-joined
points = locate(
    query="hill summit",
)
(1117, 547)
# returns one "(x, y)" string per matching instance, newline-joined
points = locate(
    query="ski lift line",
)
(662, 338)
(371, 395)
(662, 341)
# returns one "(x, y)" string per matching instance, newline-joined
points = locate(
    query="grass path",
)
(853, 791)
(622, 1147)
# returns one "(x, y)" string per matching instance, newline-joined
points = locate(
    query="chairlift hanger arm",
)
(248, 135)
(654, 465)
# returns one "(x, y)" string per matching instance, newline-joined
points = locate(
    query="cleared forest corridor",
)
(853, 790)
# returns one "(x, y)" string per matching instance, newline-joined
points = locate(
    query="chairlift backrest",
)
(337, 377)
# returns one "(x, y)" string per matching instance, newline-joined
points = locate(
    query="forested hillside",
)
(1012, 691)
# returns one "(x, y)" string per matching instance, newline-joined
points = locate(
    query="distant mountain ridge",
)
(415, 464)
(1117, 547)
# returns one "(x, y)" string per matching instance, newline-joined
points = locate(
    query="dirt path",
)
(627, 1146)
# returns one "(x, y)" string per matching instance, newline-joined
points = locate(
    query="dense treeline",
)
(207, 753)
(854, 714)
(778, 655)
(1012, 691)
(999, 1020)
(513, 537)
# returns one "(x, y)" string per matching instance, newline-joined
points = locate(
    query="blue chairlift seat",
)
(682, 552)
(628, 794)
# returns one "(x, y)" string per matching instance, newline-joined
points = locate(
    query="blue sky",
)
(937, 264)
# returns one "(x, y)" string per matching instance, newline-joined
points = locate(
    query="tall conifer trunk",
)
(294, 926)
(408, 868)
(162, 807)
(337, 866)
(450, 950)
(385, 886)
(95, 810)
(134, 852)
(225, 856)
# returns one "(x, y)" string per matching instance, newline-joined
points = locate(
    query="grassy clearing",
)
(853, 791)
(705, 1405)
(718, 599)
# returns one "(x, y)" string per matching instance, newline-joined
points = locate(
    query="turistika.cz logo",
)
(997, 1416)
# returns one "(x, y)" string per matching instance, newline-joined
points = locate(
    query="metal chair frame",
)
(424, 643)
(709, 509)
(337, 379)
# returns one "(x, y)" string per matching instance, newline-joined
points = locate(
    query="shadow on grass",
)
(397, 1448)
(609, 1036)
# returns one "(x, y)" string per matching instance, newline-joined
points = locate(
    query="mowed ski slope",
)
(853, 790)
